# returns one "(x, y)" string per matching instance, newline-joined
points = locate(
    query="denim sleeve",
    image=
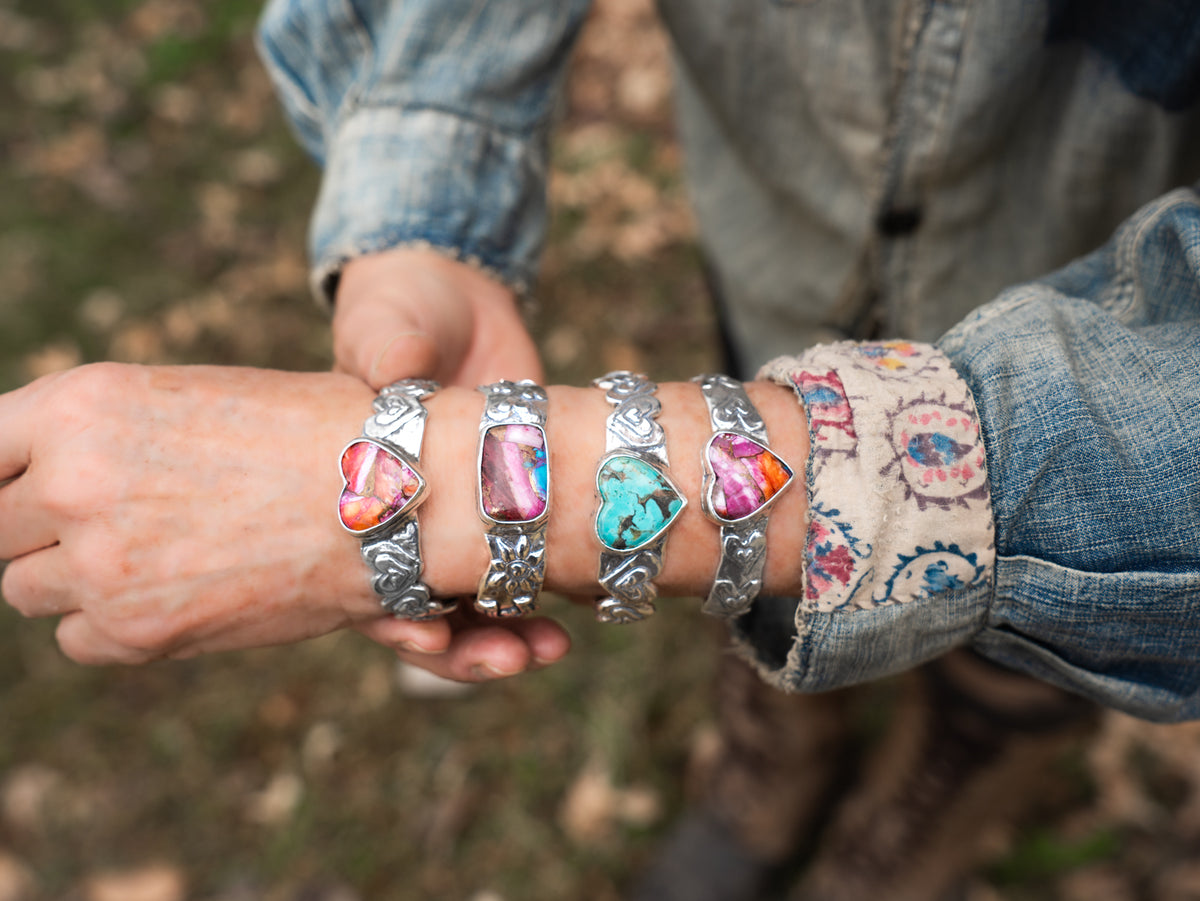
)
(431, 119)
(1088, 388)
(1074, 443)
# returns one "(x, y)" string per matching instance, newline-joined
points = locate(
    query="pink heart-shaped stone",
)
(746, 476)
(379, 485)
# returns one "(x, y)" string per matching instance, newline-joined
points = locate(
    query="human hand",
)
(412, 313)
(166, 512)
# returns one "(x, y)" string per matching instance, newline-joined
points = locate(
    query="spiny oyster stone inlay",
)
(514, 473)
(378, 486)
(746, 476)
(637, 503)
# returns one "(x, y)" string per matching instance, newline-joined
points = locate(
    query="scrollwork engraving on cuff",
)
(739, 573)
(514, 496)
(638, 500)
(742, 478)
(511, 584)
(382, 490)
(629, 581)
(730, 408)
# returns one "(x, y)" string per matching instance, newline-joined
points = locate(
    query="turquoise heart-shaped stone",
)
(637, 503)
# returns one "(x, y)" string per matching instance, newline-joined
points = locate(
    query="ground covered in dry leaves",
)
(153, 210)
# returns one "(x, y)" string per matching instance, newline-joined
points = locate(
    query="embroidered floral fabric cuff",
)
(899, 512)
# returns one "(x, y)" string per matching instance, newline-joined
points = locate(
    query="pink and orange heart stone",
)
(746, 476)
(379, 486)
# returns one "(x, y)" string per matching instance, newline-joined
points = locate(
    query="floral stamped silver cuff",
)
(742, 478)
(514, 496)
(382, 488)
(638, 500)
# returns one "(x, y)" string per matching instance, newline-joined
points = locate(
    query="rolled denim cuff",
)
(900, 554)
(403, 177)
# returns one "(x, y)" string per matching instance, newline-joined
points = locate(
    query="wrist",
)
(415, 312)
(453, 545)
(418, 267)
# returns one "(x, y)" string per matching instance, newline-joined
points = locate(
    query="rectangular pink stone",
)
(514, 473)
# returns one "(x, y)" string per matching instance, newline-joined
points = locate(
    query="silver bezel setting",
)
(483, 514)
(710, 481)
(511, 583)
(392, 549)
(658, 468)
(394, 522)
(632, 430)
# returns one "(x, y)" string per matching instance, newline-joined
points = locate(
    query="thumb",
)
(407, 353)
(388, 336)
(392, 322)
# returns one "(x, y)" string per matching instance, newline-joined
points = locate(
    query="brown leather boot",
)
(970, 749)
(781, 759)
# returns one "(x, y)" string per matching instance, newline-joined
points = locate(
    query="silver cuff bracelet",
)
(742, 478)
(381, 492)
(638, 500)
(514, 496)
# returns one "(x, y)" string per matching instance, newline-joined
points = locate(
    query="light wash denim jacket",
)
(867, 168)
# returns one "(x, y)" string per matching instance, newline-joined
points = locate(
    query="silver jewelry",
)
(381, 492)
(638, 500)
(514, 496)
(742, 478)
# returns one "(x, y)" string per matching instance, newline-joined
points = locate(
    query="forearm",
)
(453, 547)
(169, 511)
(431, 120)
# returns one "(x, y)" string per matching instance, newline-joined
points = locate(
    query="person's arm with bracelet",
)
(432, 123)
(1031, 489)
(1087, 387)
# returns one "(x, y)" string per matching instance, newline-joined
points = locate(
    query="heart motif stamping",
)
(379, 486)
(637, 502)
(745, 476)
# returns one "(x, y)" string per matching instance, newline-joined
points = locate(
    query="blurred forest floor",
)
(152, 209)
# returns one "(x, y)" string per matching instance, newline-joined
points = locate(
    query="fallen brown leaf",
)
(154, 882)
(16, 879)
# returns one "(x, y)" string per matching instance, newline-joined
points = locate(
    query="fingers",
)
(25, 525)
(478, 649)
(547, 640)
(406, 354)
(407, 312)
(17, 430)
(83, 643)
(432, 637)
(486, 652)
(35, 585)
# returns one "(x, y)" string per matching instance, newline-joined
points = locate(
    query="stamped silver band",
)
(742, 478)
(383, 488)
(638, 500)
(514, 496)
